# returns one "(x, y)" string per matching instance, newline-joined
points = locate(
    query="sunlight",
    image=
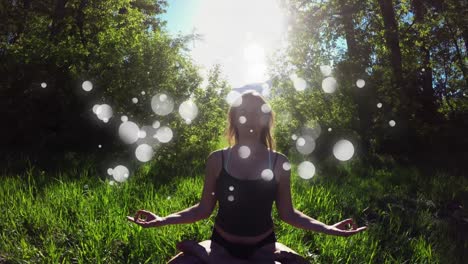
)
(239, 35)
(254, 53)
(256, 72)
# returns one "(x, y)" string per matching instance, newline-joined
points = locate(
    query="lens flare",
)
(244, 152)
(120, 173)
(326, 70)
(266, 108)
(188, 110)
(87, 86)
(164, 134)
(104, 112)
(242, 119)
(360, 83)
(300, 141)
(128, 132)
(267, 175)
(343, 150)
(149, 139)
(306, 170)
(95, 107)
(156, 124)
(299, 84)
(234, 98)
(141, 134)
(305, 144)
(162, 104)
(329, 85)
(312, 129)
(144, 152)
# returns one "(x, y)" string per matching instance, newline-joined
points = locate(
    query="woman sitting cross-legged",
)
(244, 180)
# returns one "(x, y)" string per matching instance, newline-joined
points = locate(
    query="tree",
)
(411, 51)
(121, 47)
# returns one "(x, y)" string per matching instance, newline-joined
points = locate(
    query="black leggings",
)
(242, 251)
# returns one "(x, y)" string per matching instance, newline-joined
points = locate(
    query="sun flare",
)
(239, 35)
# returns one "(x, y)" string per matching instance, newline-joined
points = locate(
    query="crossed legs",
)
(208, 252)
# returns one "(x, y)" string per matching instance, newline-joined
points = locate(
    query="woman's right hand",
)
(341, 228)
(146, 219)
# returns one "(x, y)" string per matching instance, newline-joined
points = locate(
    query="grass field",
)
(76, 216)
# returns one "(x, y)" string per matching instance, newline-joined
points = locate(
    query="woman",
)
(244, 179)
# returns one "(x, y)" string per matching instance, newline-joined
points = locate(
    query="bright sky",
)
(238, 34)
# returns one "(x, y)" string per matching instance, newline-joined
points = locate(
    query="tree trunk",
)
(392, 40)
(428, 100)
(393, 43)
(357, 61)
(57, 18)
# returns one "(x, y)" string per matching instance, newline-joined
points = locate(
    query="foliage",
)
(420, 81)
(194, 142)
(123, 49)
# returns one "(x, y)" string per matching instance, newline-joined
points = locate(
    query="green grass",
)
(77, 217)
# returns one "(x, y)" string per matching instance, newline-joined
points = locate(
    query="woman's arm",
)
(290, 215)
(146, 218)
(200, 211)
(186, 216)
(300, 220)
(207, 202)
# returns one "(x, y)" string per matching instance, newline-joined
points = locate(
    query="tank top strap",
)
(276, 157)
(269, 160)
(229, 156)
(222, 158)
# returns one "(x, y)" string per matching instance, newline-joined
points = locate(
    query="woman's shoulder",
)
(217, 152)
(280, 155)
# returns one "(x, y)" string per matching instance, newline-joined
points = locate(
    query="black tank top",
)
(245, 205)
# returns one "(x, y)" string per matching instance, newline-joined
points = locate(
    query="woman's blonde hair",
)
(266, 137)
